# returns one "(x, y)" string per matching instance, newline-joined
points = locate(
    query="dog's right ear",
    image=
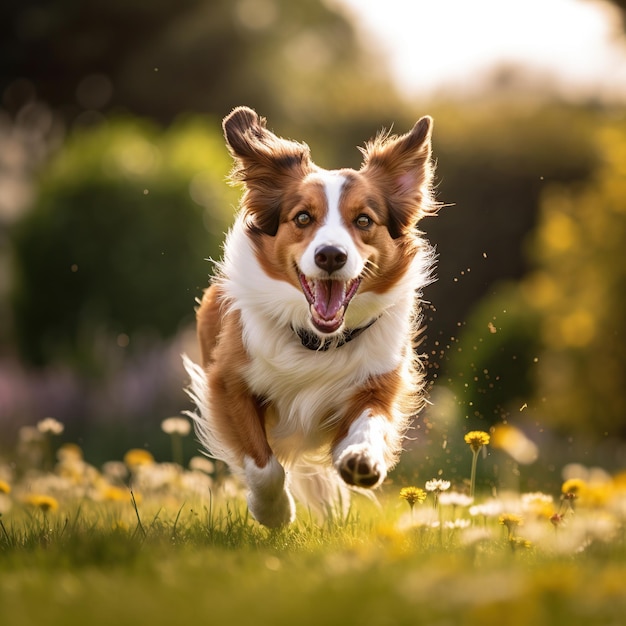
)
(265, 163)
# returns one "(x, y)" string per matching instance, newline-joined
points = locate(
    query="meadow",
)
(136, 541)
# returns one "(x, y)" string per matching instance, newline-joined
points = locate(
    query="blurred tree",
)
(114, 246)
(293, 61)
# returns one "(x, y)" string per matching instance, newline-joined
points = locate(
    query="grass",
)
(166, 553)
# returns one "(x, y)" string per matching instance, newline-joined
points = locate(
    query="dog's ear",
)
(265, 163)
(402, 169)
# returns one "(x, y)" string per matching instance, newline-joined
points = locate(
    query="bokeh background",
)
(113, 198)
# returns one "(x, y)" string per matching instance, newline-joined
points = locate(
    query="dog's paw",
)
(273, 513)
(269, 500)
(359, 468)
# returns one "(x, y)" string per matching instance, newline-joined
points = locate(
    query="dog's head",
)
(332, 234)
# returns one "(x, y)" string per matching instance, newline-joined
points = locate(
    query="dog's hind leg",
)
(240, 425)
(232, 423)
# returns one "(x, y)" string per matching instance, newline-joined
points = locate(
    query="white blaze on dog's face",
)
(331, 234)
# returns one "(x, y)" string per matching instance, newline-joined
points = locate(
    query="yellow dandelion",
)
(519, 543)
(115, 494)
(5, 487)
(510, 521)
(412, 495)
(69, 452)
(476, 439)
(573, 487)
(42, 502)
(138, 456)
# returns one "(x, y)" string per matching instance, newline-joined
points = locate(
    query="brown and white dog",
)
(309, 377)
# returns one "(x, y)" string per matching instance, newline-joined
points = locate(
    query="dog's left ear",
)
(402, 168)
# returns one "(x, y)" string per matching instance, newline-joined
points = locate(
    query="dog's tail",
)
(202, 417)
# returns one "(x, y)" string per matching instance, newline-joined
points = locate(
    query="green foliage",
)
(557, 348)
(579, 292)
(494, 159)
(117, 242)
(491, 370)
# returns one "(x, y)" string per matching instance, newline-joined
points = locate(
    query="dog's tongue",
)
(329, 297)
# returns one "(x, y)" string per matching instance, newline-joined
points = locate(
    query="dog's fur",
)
(309, 377)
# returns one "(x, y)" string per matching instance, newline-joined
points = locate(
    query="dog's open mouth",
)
(329, 300)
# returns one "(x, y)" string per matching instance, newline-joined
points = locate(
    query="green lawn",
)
(78, 547)
(180, 567)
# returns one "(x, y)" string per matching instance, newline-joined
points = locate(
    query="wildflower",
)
(475, 535)
(556, 520)
(519, 542)
(137, 457)
(69, 452)
(42, 502)
(454, 498)
(176, 426)
(50, 425)
(196, 483)
(5, 504)
(115, 494)
(437, 485)
(511, 522)
(5, 487)
(476, 439)
(541, 504)
(412, 495)
(29, 435)
(490, 508)
(115, 471)
(515, 443)
(572, 488)
(202, 464)
(456, 524)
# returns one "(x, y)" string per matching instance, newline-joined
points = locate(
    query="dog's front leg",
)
(360, 457)
(369, 438)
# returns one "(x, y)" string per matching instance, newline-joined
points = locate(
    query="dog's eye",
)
(363, 222)
(303, 219)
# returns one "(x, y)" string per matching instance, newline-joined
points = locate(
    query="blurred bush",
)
(495, 157)
(115, 247)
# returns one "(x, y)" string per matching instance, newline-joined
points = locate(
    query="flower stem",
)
(177, 448)
(473, 474)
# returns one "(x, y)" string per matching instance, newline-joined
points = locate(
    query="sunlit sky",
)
(434, 44)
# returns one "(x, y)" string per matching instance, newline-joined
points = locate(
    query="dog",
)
(309, 377)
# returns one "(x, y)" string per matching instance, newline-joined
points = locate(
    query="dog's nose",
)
(330, 258)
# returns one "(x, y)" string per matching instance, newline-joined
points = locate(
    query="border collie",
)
(309, 376)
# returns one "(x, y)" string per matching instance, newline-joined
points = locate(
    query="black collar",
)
(313, 342)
